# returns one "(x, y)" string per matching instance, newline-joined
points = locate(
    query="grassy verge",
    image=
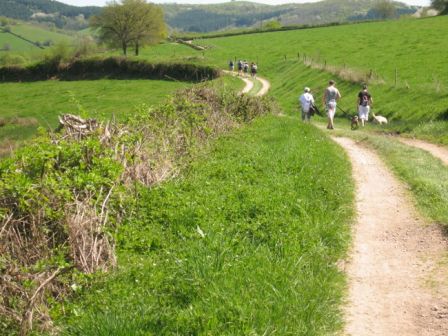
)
(426, 176)
(246, 243)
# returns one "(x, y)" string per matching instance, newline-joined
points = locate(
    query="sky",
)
(269, 2)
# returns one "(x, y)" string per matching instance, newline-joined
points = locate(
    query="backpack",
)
(365, 100)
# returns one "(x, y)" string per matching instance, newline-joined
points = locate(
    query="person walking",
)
(240, 67)
(306, 100)
(253, 69)
(245, 68)
(329, 100)
(363, 105)
(231, 66)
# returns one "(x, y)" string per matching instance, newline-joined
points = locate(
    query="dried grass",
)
(345, 73)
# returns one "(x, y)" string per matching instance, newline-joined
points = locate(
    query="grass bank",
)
(245, 243)
(420, 94)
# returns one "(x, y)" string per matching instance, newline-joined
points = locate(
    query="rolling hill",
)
(236, 14)
(207, 18)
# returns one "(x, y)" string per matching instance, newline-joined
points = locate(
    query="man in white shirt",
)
(306, 100)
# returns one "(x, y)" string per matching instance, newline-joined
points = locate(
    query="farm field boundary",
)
(112, 67)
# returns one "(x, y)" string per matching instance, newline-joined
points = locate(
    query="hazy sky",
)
(270, 2)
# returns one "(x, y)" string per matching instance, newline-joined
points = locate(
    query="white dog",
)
(379, 119)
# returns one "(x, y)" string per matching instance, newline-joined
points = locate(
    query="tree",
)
(441, 6)
(130, 23)
(385, 9)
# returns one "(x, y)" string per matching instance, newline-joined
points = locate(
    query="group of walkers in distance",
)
(329, 101)
(243, 68)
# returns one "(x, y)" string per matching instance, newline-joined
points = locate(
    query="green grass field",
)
(246, 243)
(25, 106)
(32, 33)
(36, 33)
(416, 48)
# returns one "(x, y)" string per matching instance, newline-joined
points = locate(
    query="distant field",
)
(32, 33)
(36, 33)
(416, 48)
(26, 106)
(16, 44)
(39, 103)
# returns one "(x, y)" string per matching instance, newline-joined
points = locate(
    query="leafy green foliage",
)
(129, 22)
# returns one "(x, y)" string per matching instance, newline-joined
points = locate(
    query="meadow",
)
(26, 106)
(32, 33)
(246, 239)
(414, 48)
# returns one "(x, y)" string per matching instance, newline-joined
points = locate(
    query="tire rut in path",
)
(394, 258)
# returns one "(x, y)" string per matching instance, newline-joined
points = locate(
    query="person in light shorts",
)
(330, 98)
(306, 100)
(364, 102)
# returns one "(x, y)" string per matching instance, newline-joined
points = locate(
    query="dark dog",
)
(355, 122)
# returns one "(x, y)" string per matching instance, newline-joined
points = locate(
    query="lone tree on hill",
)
(130, 23)
(441, 6)
(385, 9)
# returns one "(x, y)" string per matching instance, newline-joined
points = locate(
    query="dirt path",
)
(437, 151)
(397, 280)
(249, 85)
(265, 85)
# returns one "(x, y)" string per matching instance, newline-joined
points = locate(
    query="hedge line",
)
(112, 67)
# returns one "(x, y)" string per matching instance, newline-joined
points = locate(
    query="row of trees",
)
(130, 23)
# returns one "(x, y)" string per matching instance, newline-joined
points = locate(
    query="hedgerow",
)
(112, 67)
(63, 196)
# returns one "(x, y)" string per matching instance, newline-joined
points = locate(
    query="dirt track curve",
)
(437, 151)
(397, 277)
(265, 85)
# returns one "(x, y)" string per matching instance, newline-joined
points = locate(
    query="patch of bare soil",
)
(398, 270)
(436, 150)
